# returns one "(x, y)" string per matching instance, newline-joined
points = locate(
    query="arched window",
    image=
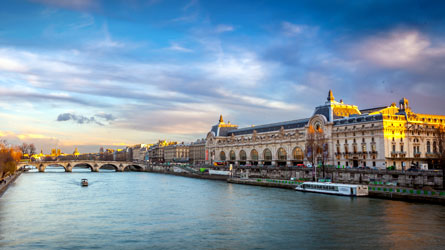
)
(434, 147)
(242, 155)
(254, 155)
(232, 155)
(222, 156)
(428, 147)
(267, 155)
(282, 155)
(298, 154)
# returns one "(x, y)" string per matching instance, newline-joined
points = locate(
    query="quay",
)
(7, 181)
(413, 188)
(375, 191)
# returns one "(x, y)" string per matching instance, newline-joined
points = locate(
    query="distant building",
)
(120, 155)
(379, 137)
(156, 151)
(140, 152)
(176, 153)
(197, 152)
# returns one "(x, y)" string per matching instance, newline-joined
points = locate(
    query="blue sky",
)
(111, 73)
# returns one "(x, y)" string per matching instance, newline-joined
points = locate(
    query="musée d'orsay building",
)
(379, 137)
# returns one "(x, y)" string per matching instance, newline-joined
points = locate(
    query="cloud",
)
(224, 28)
(80, 119)
(397, 49)
(291, 29)
(190, 4)
(42, 142)
(245, 68)
(30, 95)
(107, 117)
(177, 47)
(70, 4)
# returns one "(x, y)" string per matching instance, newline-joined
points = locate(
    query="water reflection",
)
(132, 210)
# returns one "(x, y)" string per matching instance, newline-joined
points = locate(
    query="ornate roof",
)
(271, 127)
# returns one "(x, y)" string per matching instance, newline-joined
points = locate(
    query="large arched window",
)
(428, 147)
(298, 154)
(222, 156)
(434, 147)
(232, 155)
(242, 155)
(267, 155)
(254, 155)
(282, 155)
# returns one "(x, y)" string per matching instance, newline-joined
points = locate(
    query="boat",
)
(84, 182)
(333, 188)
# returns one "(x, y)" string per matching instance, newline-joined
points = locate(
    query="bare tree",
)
(24, 148)
(311, 146)
(31, 149)
(322, 148)
(316, 147)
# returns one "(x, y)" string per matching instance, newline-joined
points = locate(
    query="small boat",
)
(84, 182)
(333, 188)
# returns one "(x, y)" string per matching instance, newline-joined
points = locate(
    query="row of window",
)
(267, 154)
(320, 187)
(416, 148)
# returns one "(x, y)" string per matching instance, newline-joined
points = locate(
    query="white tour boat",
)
(333, 188)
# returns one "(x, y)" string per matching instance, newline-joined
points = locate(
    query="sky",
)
(91, 73)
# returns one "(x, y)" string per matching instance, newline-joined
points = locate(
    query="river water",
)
(136, 210)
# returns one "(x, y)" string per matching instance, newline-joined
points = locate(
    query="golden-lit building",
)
(380, 137)
(156, 151)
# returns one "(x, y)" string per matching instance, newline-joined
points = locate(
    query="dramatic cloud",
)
(398, 49)
(154, 69)
(80, 119)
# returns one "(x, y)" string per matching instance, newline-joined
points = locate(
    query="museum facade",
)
(381, 137)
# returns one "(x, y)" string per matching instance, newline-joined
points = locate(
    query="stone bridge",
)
(119, 166)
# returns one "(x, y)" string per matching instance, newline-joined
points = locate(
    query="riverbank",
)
(381, 192)
(192, 175)
(9, 180)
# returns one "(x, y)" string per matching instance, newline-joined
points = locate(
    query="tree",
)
(9, 157)
(31, 149)
(311, 145)
(24, 148)
(316, 147)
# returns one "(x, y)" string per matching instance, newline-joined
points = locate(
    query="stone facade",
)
(197, 153)
(380, 137)
(176, 153)
(140, 152)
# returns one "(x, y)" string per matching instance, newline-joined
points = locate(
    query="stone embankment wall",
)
(433, 179)
(183, 171)
(7, 181)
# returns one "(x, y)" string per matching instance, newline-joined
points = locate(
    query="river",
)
(137, 210)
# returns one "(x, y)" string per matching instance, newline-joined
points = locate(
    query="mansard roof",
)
(358, 119)
(270, 127)
(372, 110)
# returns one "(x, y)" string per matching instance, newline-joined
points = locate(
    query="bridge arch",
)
(116, 168)
(92, 167)
(42, 167)
(133, 166)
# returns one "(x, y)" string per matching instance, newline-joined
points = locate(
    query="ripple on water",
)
(144, 210)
